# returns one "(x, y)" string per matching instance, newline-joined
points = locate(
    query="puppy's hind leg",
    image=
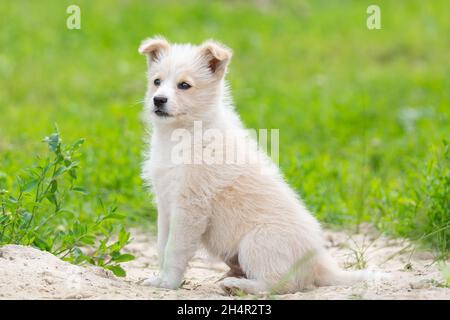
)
(232, 286)
(270, 258)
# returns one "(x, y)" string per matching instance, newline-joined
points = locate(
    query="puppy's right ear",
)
(154, 48)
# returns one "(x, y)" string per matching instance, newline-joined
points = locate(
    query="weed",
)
(422, 209)
(39, 212)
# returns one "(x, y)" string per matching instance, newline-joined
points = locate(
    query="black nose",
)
(159, 101)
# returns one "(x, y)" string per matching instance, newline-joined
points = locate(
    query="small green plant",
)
(420, 206)
(445, 270)
(360, 259)
(436, 214)
(41, 214)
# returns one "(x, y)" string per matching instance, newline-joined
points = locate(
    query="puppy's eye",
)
(157, 82)
(183, 85)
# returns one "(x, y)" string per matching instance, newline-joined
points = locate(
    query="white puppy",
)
(244, 213)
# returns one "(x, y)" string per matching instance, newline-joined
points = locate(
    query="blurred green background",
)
(362, 113)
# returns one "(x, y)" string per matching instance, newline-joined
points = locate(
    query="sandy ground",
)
(27, 273)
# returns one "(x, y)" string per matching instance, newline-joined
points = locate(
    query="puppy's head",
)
(185, 82)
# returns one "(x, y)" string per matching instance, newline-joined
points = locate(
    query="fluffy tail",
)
(328, 273)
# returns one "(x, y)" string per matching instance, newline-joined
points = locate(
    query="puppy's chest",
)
(163, 177)
(198, 182)
(195, 184)
(168, 180)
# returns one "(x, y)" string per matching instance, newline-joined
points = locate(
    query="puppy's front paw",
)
(170, 284)
(152, 281)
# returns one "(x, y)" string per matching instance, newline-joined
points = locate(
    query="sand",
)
(28, 273)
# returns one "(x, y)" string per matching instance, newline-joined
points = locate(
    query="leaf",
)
(42, 244)
(60, 171)
(123, 258)
(26, 217)
(53, 186)
(116, 216)
(53, 142)
(123, 236)
(51, 198)
(77, 144)
(117, 270)
(79, 229)
(80, 190)
(30, 185)
(19, 180)
(73, 174)
(88, 239)
(79, 256)
(12, 199)
(3, 218)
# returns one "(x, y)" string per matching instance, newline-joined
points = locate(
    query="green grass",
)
(362, 114)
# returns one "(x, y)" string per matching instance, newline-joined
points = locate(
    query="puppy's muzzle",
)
(160, 106)
(159, 102)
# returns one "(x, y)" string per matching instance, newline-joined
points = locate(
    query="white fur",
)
(245, 214)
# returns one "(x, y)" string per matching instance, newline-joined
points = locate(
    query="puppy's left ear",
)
(217, 56)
